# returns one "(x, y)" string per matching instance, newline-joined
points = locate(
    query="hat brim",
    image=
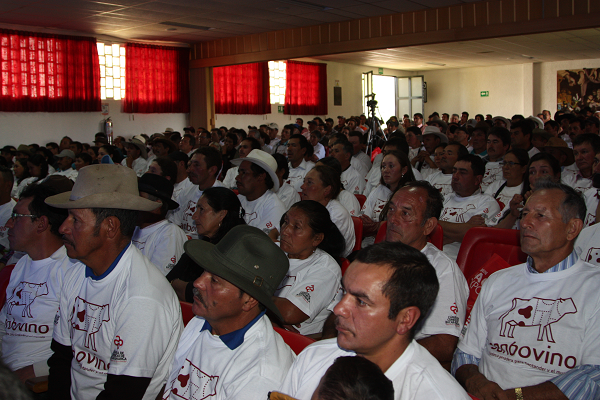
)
(263, 165)
(208, 257)
(122, 201)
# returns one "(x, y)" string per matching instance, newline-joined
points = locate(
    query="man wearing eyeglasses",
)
(33, 292)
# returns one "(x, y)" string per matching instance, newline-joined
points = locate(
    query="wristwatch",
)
(519, 393)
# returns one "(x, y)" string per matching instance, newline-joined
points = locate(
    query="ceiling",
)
(191, 21)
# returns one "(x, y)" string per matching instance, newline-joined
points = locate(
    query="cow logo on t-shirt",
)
(192, 383)
(456, 214)
(535, 312)
(23, 295)
(88, 317)
(593, 256)
(251, 217)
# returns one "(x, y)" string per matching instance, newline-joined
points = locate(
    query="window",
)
(112, 71)
(277, 72)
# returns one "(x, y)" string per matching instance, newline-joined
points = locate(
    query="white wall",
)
(42, 127)
(349, 77)
(514, 89)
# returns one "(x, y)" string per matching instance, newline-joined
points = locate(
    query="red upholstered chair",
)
(479, 244)
(473, 397)
(436, 237)
(358, 230)
(361, 199)
(186, 312)
(295, 340)
(236, 192)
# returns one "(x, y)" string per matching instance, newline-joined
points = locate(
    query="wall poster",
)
(578, 88)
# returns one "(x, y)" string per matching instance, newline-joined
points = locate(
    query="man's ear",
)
(112, 226)
(249, 302)
(574, 227)
(429, 226)
(42, 224)
(406, 319)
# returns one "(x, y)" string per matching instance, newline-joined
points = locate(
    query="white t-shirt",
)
(311, 285)
(587, 244)
(576, 181)
(319, 151)
(365, 159)
(441, 181)
(18, 188)
(27, 318)
(493, 173)
(188, 201)
(139, 165)
(504, 198)
(359, 165)
(350, 202)
(343, 220)
(352, 181)
(416, 374)
(5, 211)
(447, 315)
(69, 173)
(229, 181)
(527, 327)
(460, 210)
(426, 170)
(161, 242)
(206, 368)
(263, 213)
(296, 176)
(125, 322)
(178, 188)
(533, 151)
(376, 201)
(288, 195)
(591, 197)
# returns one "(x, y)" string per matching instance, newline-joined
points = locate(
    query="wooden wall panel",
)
(443, 19)
(467, 21)
(456, 17)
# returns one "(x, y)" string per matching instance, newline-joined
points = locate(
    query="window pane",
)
(116, 72)
(100, 48)
(109, 61)
(403, 84)
(417, 86)
(109, 93)
(109, 83)
(102, 71)
(107, 49)
(115, 50)
(117, 84)
(102, 93)
(103, 82)
(117, 94)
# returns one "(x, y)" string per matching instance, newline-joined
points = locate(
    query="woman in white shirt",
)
(312, 243)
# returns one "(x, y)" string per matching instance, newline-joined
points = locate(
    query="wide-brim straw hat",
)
(104, 186)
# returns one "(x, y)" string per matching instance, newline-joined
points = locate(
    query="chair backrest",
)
(436, 237)
(295, 340)
(361, 199)
(358, 231)
(480, 243)
(186, 312)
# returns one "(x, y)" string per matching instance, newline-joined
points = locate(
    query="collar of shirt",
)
(561, 266)
(90, 274)
(234, 339)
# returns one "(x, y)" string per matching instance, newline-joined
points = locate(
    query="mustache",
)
(65, 240)
(198, 295)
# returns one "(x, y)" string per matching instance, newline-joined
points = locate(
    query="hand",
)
(516, 204)
(314, 158)
(25, 373)
(370, 227)
(477, 220)
(527, 195)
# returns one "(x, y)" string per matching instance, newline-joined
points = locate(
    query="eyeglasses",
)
(15, 215)
(511, 163)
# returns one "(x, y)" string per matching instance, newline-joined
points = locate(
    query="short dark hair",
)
(359, 135)
(573, 204)
(526, 126)
(591, 138)
(303, 140)
(258, 170)
(413, 281)
(38, 207)
(53, 145)
(435, 199)
(220, 198)
(552, 123)
(332, 162)
(191, 137)
(127, 218)
(399, 142)
(501, 133)
(462, 150)
(179, 156)
(330, 177)
(346, 146)
(477, 164)
(414, 129)
(282, 163)
(168, 167)
(85, 157)
(254, 143)
(355, 378)
(418, 115)
(212, 157)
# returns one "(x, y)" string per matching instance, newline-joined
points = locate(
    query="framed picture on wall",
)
(578, 88)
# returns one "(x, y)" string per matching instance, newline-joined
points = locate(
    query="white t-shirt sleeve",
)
(168, 251)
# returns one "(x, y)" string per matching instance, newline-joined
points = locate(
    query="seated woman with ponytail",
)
(312, 243)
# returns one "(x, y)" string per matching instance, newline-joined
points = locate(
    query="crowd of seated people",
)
(256, 228)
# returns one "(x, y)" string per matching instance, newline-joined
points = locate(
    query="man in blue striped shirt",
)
(534, 329)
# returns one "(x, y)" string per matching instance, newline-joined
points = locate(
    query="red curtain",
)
(306, 88)
(157, 79)
(242, 89)
(42, 72)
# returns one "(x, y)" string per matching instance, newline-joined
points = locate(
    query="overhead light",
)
(528, 57)
(189, 26)
(307, 5)
(434, 63)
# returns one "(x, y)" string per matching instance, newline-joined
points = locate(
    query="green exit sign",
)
(484, 93)
(380, 71)
(280, 109)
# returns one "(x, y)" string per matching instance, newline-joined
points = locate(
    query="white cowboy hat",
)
(104, 186)
(263, 160)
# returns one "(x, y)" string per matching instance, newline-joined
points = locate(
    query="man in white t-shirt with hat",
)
(116, 333)
(423, 162)
(257, 184)
(136, 155)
